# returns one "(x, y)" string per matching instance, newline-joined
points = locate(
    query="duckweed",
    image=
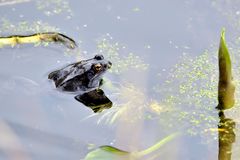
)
(119, 55)
(54, 7)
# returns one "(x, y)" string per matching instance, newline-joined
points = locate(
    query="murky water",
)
(163, 79)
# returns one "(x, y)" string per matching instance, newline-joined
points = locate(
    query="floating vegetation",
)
(53, 7)
(118, 55)
(24, 27)
(189, 95)
(49, 8)
(226, 86)
(191, 90)
(112, 153)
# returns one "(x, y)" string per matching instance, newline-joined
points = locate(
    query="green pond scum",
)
(117, 53)
(225, 126)
(193, 83)
(49, 8)
(54, 7)
(196, 80)
(8, 27)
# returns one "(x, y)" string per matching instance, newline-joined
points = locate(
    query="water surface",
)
(163, 79)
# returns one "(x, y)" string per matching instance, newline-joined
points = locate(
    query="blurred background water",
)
(157, 49)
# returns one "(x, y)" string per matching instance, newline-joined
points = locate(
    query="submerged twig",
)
(37, 38)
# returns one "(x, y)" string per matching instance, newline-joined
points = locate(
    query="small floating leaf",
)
(112, 153)
(107, 153)
(114, 150)
(226, 87)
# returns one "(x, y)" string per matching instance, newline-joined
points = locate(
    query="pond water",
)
(163, 79)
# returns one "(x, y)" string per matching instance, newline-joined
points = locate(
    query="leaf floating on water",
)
(25, 27)
(107, 153)
(112, 153)
(114, 150)
(226, 87)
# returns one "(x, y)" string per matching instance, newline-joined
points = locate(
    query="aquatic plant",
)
(49, 8)
(24, 27)
(118, 54)
(112, 153)
(191, 91)
(188, 95)
(226, 86)
(226, 136)
(38, 38)
(8, 28)
(54, 7)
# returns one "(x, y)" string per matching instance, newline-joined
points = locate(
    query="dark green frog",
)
(84, 78)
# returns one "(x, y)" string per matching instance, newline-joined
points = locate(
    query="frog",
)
(85, 79)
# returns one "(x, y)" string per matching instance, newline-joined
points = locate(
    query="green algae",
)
(117, 54)
(54, 7)
(25, 27)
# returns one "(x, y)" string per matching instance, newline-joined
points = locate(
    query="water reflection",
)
(226, 136)
(95, 99)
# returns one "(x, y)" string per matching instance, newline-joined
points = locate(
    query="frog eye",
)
(99, 57)
(97, 67)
